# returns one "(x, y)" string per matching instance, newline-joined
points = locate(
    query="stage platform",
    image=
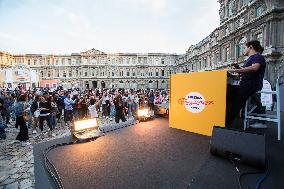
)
(152, 155)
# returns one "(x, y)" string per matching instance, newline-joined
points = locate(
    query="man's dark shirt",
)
(256, 78)
(34, 106)
(118, 105)
(46, 105)
(59, 102)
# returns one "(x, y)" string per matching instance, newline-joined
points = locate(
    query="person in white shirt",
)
(94, 105)
(105, 104)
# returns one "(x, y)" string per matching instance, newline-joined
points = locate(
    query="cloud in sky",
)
(66, 26)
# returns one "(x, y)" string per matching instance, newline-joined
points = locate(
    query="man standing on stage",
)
(252, 74)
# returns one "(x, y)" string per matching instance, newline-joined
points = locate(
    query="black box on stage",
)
(248, 148)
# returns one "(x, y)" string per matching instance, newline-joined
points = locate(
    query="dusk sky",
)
(111, 26)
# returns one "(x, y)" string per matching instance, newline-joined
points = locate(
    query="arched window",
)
(240, 47)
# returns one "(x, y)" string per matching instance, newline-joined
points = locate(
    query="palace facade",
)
(96, 69)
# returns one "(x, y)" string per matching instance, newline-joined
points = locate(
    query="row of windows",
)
(89, 61)
(121, 73)
(48, 62)
(229, 9)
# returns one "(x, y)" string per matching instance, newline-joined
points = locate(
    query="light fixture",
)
(86, 129)
(143, 113)
(86, 124)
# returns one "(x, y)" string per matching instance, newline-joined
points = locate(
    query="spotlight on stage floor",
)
(86, 129)
(144, 114)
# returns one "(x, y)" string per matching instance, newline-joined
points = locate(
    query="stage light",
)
(86, 129)
(86, 124)
(143, 113)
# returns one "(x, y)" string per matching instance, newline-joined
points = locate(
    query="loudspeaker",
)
(248, 148)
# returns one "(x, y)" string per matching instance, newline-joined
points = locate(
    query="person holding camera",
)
(94, 105)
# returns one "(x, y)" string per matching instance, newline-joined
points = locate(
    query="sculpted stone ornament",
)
(241, 22)
(243, 40)
(251, 14)
(93, 52)
(227, 31)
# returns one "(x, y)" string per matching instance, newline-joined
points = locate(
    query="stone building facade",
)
(6, 60)
(96, 69)
(240, 21)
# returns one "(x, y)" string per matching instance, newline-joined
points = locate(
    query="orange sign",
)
(23, 78)
(198, 101)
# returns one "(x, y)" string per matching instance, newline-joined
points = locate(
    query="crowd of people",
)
(31, 108)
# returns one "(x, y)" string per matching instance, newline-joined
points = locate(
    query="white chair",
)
(273, 117)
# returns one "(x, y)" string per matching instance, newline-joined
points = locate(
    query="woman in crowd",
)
(53, 112)
(35, 113)
(21, 107)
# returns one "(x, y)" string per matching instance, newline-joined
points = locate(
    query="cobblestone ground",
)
(17, 162)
